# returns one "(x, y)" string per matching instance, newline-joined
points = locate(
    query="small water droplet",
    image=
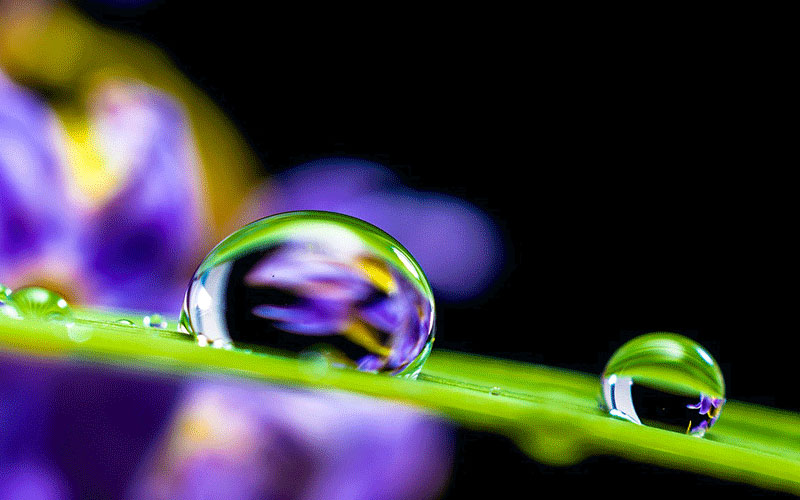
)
(495, 391)
(9, 311)
(154, 321)
(78, 333)
(289, 282)
(36, 302)
(664, 380)
(314, 364)
(6, 310)
(125, 322)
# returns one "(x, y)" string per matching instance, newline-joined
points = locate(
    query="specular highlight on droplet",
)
(154, 321)
(664, 380)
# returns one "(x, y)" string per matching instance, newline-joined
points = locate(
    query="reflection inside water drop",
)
(304, 281)
(664, 380)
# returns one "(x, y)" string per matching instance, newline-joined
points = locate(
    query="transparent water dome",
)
(314, 282)
(664, 380)
(34, 302)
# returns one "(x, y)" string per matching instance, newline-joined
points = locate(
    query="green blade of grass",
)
(554, 415)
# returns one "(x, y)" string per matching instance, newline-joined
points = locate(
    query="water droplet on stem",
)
(664, 380)
(297, 280)
(36, 302)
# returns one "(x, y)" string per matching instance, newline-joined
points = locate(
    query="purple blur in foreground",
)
(134, 248)
(458, 246)
(74, 431)
(137, 245)
(239, 442)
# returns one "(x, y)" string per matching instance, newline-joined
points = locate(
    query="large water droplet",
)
(36, 302)
(322, 281)
(664, 380)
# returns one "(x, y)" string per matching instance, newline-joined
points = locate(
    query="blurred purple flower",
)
(137, 248)
(35, 219)
(88, 430)
(32, 481)
(137, 243)
(458, 246)
(240, 441)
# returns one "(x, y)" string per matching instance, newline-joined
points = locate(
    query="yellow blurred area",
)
(88, 168)
(53, 49)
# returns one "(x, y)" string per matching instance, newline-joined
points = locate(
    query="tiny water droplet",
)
(6, 310)
(664, 380)
(78, 333)
(154, 321)
(36, 302)
(125, 322)
(293, 281)
(314, 363)
(495, 391)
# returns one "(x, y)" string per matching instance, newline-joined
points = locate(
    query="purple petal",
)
(32, 481)
(169, 437)
(310, 274)
(704, 405)
(323, 185)
(141, 246)
(36, 216)
(58, 416)
(391, 314)
(370, 363)
(701, 426)
(310, 317)
(398, 315)
(265, 442)
(333, 292)
(457, 245)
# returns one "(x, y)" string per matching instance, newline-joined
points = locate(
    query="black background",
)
(640, 179)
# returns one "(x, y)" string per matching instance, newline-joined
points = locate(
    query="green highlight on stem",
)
(554, 415)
